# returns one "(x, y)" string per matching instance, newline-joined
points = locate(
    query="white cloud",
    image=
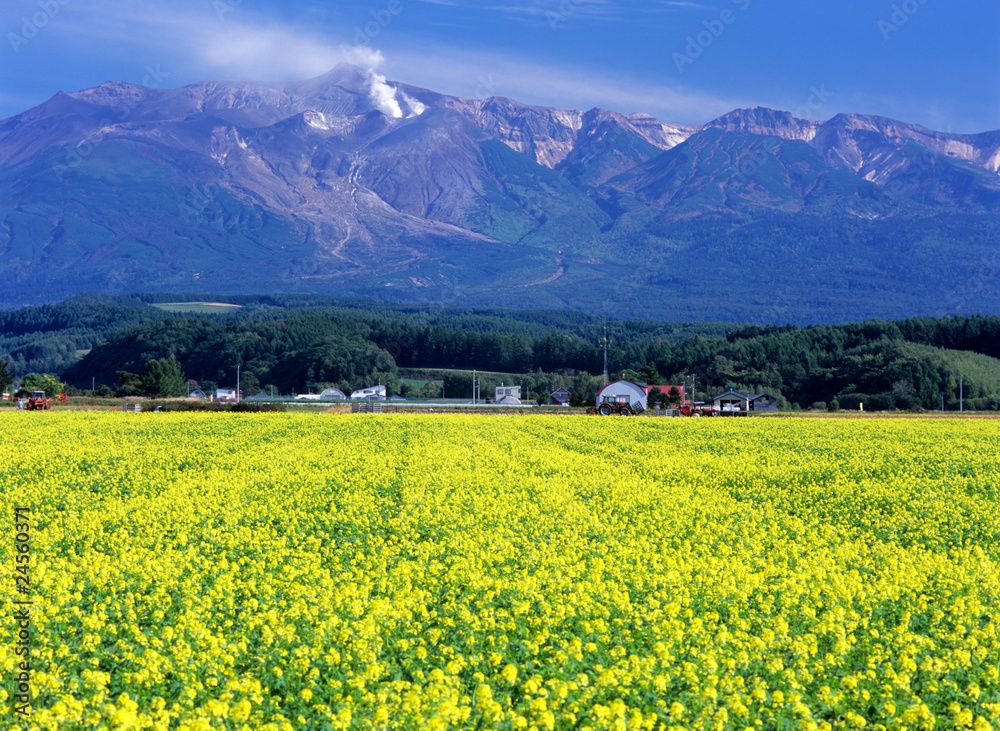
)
(209, 39)
(195, 41)
(469, 74)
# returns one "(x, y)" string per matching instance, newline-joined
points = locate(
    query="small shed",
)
(198, 393)
(743, 401)
(732, 400)
(225, 394)
(764, 402)
(560, 397)
(332, 394)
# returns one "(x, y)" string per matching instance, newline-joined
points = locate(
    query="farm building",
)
(224, 394)
(372, 392)
(734, 401)
(507, 395)
(198, 393)
(634, 392)
(560, 397)
(332, 394)
(638, 393)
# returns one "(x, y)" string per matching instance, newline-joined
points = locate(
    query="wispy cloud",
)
(470, 74)
(601, 9)
(193, 41)
(544, 11)
(216, 38)
(682, 5)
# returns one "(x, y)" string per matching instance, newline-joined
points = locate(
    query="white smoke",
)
(363, 56)
(383, 96)
(416, 108)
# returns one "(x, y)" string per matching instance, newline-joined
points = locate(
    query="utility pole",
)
(473, 386)
(605, 352)
(961, 392)
(237, 383)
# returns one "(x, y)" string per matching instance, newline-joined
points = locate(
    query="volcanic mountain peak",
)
(357, 183)
(764, 121)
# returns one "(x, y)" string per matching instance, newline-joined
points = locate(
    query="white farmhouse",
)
(507, 395)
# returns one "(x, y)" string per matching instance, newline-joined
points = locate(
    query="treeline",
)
(47, 339)
(298, 343)
(906, 364)
(51, 338)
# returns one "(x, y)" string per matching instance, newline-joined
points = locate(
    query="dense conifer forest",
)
(302, 343)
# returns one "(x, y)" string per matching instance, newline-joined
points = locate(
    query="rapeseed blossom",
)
(281, 571)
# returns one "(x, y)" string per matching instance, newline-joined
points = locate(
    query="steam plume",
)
(383, 96)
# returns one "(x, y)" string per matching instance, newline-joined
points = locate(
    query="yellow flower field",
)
(273, 571)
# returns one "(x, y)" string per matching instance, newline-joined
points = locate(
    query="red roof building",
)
(665, 389)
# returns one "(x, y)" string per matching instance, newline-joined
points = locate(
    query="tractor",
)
(695, 410)
(37, 401)
(618, 405)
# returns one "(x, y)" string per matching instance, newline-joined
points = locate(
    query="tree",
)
(249, 384)
(6, 376)
(42, 382)
(129, 384)
(629, 375)
(650, 374)
(431, 389)
(163, 378)
(674, 395)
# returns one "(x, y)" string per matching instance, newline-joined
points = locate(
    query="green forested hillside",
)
(299, 343)
(48, 338)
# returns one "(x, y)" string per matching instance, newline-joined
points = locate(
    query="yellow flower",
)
(509, 674)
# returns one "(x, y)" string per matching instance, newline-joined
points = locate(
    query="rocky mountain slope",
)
(349, 183)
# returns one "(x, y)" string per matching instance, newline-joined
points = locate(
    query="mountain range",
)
(350, 184)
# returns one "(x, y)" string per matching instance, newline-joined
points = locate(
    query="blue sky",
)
(929, 62)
